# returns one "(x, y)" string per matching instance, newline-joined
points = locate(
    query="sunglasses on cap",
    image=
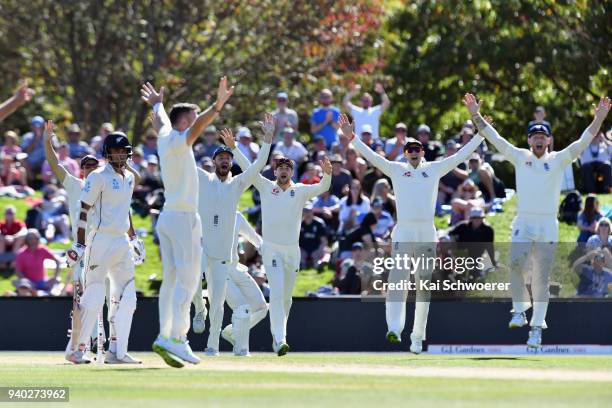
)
(414, 149)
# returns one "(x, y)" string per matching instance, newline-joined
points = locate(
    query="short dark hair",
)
(179, 109)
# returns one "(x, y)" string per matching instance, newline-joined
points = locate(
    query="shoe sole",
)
(283, 350)
(168, 358)
(516, 326)
(393, 339)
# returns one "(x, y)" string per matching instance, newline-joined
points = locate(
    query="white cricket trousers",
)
(282, 263)
(243, 290)
(109, 255)
(534, 238)
(416, 240)
(180, 237)
(217, 273)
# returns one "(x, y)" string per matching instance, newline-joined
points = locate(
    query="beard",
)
(222, 171)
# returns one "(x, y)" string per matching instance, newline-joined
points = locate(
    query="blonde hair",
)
(601, 221)
(378, 186)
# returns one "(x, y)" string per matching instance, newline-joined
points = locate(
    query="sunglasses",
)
(90, 165)
(414, 149)
(469, 190)
(604, 225)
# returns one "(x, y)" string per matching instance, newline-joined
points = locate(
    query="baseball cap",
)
(412, 141)
(243, 132)
(38, 120)
(222, 149)
(538, 128)
(336, 158)
(474, 156)
(401, 125)
(452, 144)
(317, 138)
(282, 95)
(87, 158)
(357, 245)
(477, 213)
(308, 206)
(210, 129)
(467, 129)
(366, 129)
(152, 159)
(73, 128)
(288, 129)
(540, 109)
(108, 127)
(423, 129)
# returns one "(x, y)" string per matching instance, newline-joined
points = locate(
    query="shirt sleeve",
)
(453, 161)
(250, 175)
(571, 152)
(47, 254)
(166, 128)
(506, 148)
(92, 189)
(313, 190)
(376, 159)
(247, 231)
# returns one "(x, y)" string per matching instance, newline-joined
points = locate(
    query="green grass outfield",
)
(324, 379)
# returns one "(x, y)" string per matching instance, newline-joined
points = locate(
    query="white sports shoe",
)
(416, 344)
(79, 357)
(180, 348)
(519, 319)
(160, 346)
(199, 322)
(111, 358)
(535, 337)
(226, 334)
(242, 353)
(211, 352)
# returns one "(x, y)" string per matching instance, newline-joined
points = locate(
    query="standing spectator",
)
(594, 274)
(369, 140)
(11, 147)
(539, 117)
(588, 218)
(475, 236)
(283, 116)
(208, 145)
(324, 120)
(313, 240)
(394, 147)
(602, 237)
(12, 232)
(353, 207)
(246, 145)
(341, 178)
(32, 144)
(291, 148)
(149, 146)
(367, 115)
(432, 148)
(595, 161)
(78, 148)
(65, 160)
(30, 263)
(469, 197)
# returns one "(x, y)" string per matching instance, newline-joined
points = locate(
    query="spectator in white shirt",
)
(595, 160)
(283, 116)
(366, 114)
(246, 145)
(602, 237)
(353, 207)
(290, 147)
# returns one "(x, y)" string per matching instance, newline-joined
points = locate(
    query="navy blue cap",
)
(357, 245)
(538, 128)
(222, 149)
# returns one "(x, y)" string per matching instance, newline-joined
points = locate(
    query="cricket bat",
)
(76, 314)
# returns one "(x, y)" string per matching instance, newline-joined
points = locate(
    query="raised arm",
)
(577, 147)
(156, 98)
(313, 190)
(449, 163)
(486, 130)
(21, 97)
(57, 169)
(376, 159)
(386, 102)
(246, 230)
(132, 170)
(205, 118)
(346, 101)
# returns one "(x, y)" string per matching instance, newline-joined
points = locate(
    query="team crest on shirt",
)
(115, 184)
(529, 164)
(87, 187)
(425, 174)
(546, 167)
(292, 193)
(407, 174)
(275, 190)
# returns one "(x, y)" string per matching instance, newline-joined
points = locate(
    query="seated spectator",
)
(432, 148)
(483, 176)
(78, 148)
(341, 178)
(368, 139)
(54, 212)
(450, 182)
(384, 220)
(313, 240)
(138, 162)
(365, 271)
(71, 165)
(317, 148)
(348, 281)
(602, 237)
(32, 144)
(355, 164)
(260, 278)
(476, 237)
(595, 163)
(468, 198)
(394, 147)
(353, 207)
(11, 144)
(208, 145)
(284, 117)
(29, 264)
(12, 232)
(311, 174)
(364, 234)
(324, 119)
(588, 218)
(246, 145)
(268, 171)
(291, 148)
(382, 189)
(327, 206)
(208, 164)
(14, 175)
(539, 117)
(466, 134)
(149, 146)
(594, 272)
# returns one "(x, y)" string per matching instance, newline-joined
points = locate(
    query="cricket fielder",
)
(535, 227)
(218, 200)
(108, 193)
(282, 203)
(243, 296)
(178, 226)
(415, 184)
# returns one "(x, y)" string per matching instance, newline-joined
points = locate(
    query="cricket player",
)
(535, 227)
(218, 200)
(178, 226)
(108, 194)
(243, 296)
(415, 184)
(282, 203)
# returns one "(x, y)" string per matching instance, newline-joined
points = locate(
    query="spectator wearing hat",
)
(284, 117)
(353, 207)
(77, 147)
(475, 236)
(268, 171)
(12, 232)
(149, 146)
(259, 276)
(432, 148)
(593, 269)
(394, 147)
(32, 144)
(246, 144)
(291, 148)
(366, 137)
(324, 119)
(366, 114)
(29, 263)
(11, 144)
(207, 164)
(341, 178)
(313, 240)
(595, 163)
(71, 165)
(450, 182)
(208, 145)
(602, 237)
(539, 118)
(466, 134)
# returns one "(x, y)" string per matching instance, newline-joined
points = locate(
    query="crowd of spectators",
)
(343, 228)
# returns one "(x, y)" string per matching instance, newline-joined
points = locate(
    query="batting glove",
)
(74, 254)
(138, 250)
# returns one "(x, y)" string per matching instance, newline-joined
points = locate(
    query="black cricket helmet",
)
(117, 140)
